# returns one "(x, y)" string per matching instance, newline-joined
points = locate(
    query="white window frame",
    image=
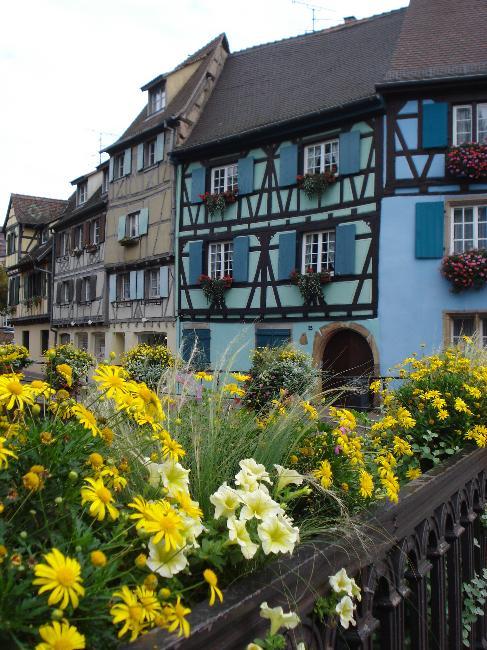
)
(475, 226)
(220, 259)
(99, 345)
(150, 153)
(123, 282)
(324, 166)
(65, 292)
(455, 130)
(82, 193)
(132, 226)
(157, 99)
(118, 165)
(85, 290)
(95, 231)
(64, 243)
(230, 179)
(154, 283)
(78, 237)
(322, 234)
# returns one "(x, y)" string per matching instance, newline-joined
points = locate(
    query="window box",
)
(218, 202)
(91, 248)
(313, 185)
(129, 241)
(468, 161)
(309, 285)
(77, 252)
(214, 290)
(465, 270)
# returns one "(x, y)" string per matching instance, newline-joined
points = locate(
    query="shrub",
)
(146, 363)
(276, 373)
(13, 358)
(67, 366)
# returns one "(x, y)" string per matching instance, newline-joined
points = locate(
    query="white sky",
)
(70, 69)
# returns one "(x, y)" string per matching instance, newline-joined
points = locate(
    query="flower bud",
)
(57, 614)
(140, 561)
(23, 534)
(58, 500)
(73, 476)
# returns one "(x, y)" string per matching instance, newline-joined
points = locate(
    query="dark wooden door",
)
(348, 363)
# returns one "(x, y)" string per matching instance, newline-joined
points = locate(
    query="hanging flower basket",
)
(468, 161)
(313, 185)
(465, 270)
(309, 285)
(218, 202)
(91, 248)
(214, 290)
(129, 241)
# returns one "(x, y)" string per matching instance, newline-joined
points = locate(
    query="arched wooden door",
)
(348, 362)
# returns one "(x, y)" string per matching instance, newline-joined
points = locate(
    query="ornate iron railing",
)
(410, 560)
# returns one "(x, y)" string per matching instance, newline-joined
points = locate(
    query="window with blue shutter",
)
(349, 153)
(195, 261)
(246, 175)
(272, 338)
(429, 228)
(345, 249)
(198, 183)
(121, 226)
(288, 165)
(110, 169)
(159, 154)
(127, 162)
(241, 259)
(143, 221)
(196, 347)
(435, 125)
(140, 285)
(133, 285)
(164, 281)
(140, 156)
(287, 255)
(112, 287)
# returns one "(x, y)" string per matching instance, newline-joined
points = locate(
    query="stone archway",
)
(348, 356)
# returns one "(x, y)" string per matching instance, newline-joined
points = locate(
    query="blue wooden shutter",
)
(195, 261)
(287, 255)
(241, 258)
(288, 165)
(133, 285)
(164, 281)
(198, 182)
(271, 338)
(112, 287)
(435, 125)
(140, 156)
(429, 230)
(127, 162)
(246, 175)
(345, 249)
(159, 153)
(121, 226)
(349, 152)
(110, 170)
(140, 285)
(143, 221)
(201, 339)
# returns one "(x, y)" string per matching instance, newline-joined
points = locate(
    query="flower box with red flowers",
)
(218, 202)
(314, 185)
(214, 289)
(468, 161)
(310, 283)
(465, 270)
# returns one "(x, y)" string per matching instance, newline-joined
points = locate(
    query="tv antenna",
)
(314, 9)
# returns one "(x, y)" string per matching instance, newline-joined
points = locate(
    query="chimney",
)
(349, 19)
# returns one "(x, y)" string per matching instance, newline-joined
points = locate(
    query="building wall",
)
(35, 341)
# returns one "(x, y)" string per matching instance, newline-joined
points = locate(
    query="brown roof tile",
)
(36, 210)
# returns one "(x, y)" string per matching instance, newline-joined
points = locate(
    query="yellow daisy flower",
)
(175, 616)
(100, 497)
(212, 580)
(171, 447)
(324, 474)
(14, 394)
(366, 484)
(62, 576)
(111, 380)
(86, 418)
(60, 636)
(5, 453)
(162, 520)
(66, 373)
(151, 607)
(130, 612)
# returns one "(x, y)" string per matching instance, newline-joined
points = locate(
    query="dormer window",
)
(82, 192)
(119, 165)
(157, 99)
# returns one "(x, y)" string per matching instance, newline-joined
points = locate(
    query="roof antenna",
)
(314, 10)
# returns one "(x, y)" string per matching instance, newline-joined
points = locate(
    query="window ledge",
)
(129, 241)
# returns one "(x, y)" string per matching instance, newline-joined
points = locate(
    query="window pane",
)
(232, 178)
(311, 252)
(462, 327)
(328, 251)
(331, 155)
(463, 124)
(482, 123)
(313, 159)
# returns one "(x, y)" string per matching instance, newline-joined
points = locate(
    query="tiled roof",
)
(96, 200)
(441, 38)
(144, 122)
(36, 210)
(278, 82)
(36, 255)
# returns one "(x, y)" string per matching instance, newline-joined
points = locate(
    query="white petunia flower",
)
(278, 618)
(238, 534)
(287, 476)
(174, 477)
(344, 609)
(341, 583)
(277, 535)
(356, 593)
(259, 504)
(226, 501)
(247, 482)
(192, 529)
(166, 563)
(255, 469)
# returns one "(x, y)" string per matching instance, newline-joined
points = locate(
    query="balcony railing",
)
(410, 560)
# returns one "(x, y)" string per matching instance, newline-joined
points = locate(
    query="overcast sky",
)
(71, 70)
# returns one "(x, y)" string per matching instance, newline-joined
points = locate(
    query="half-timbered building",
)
(28, 264)
(139, 250)
(79, 306)
(302, 109)
(436, 98)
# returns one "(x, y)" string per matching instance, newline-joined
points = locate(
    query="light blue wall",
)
(412, 293)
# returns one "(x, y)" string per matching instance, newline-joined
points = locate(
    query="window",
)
(44, 235)
(65, 293)
(272, 338)
(220, 259)
(150, 153)
(95, 231)
(105, 181)
(224, 179)
(118, 165)
(473, 325)
(123, 286)
(153, 338)
(154, 283)
(321, 157)
(99, 345)
(78, 237)
(64, 245)
(470, 123)
(132, 225)
(85, 290)
(25, 338)
(157, 99)
(468, 228)
(44, 341)
(319, 251)
(65, 339)
(82, 340)
(11, 242)
(82, 192)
